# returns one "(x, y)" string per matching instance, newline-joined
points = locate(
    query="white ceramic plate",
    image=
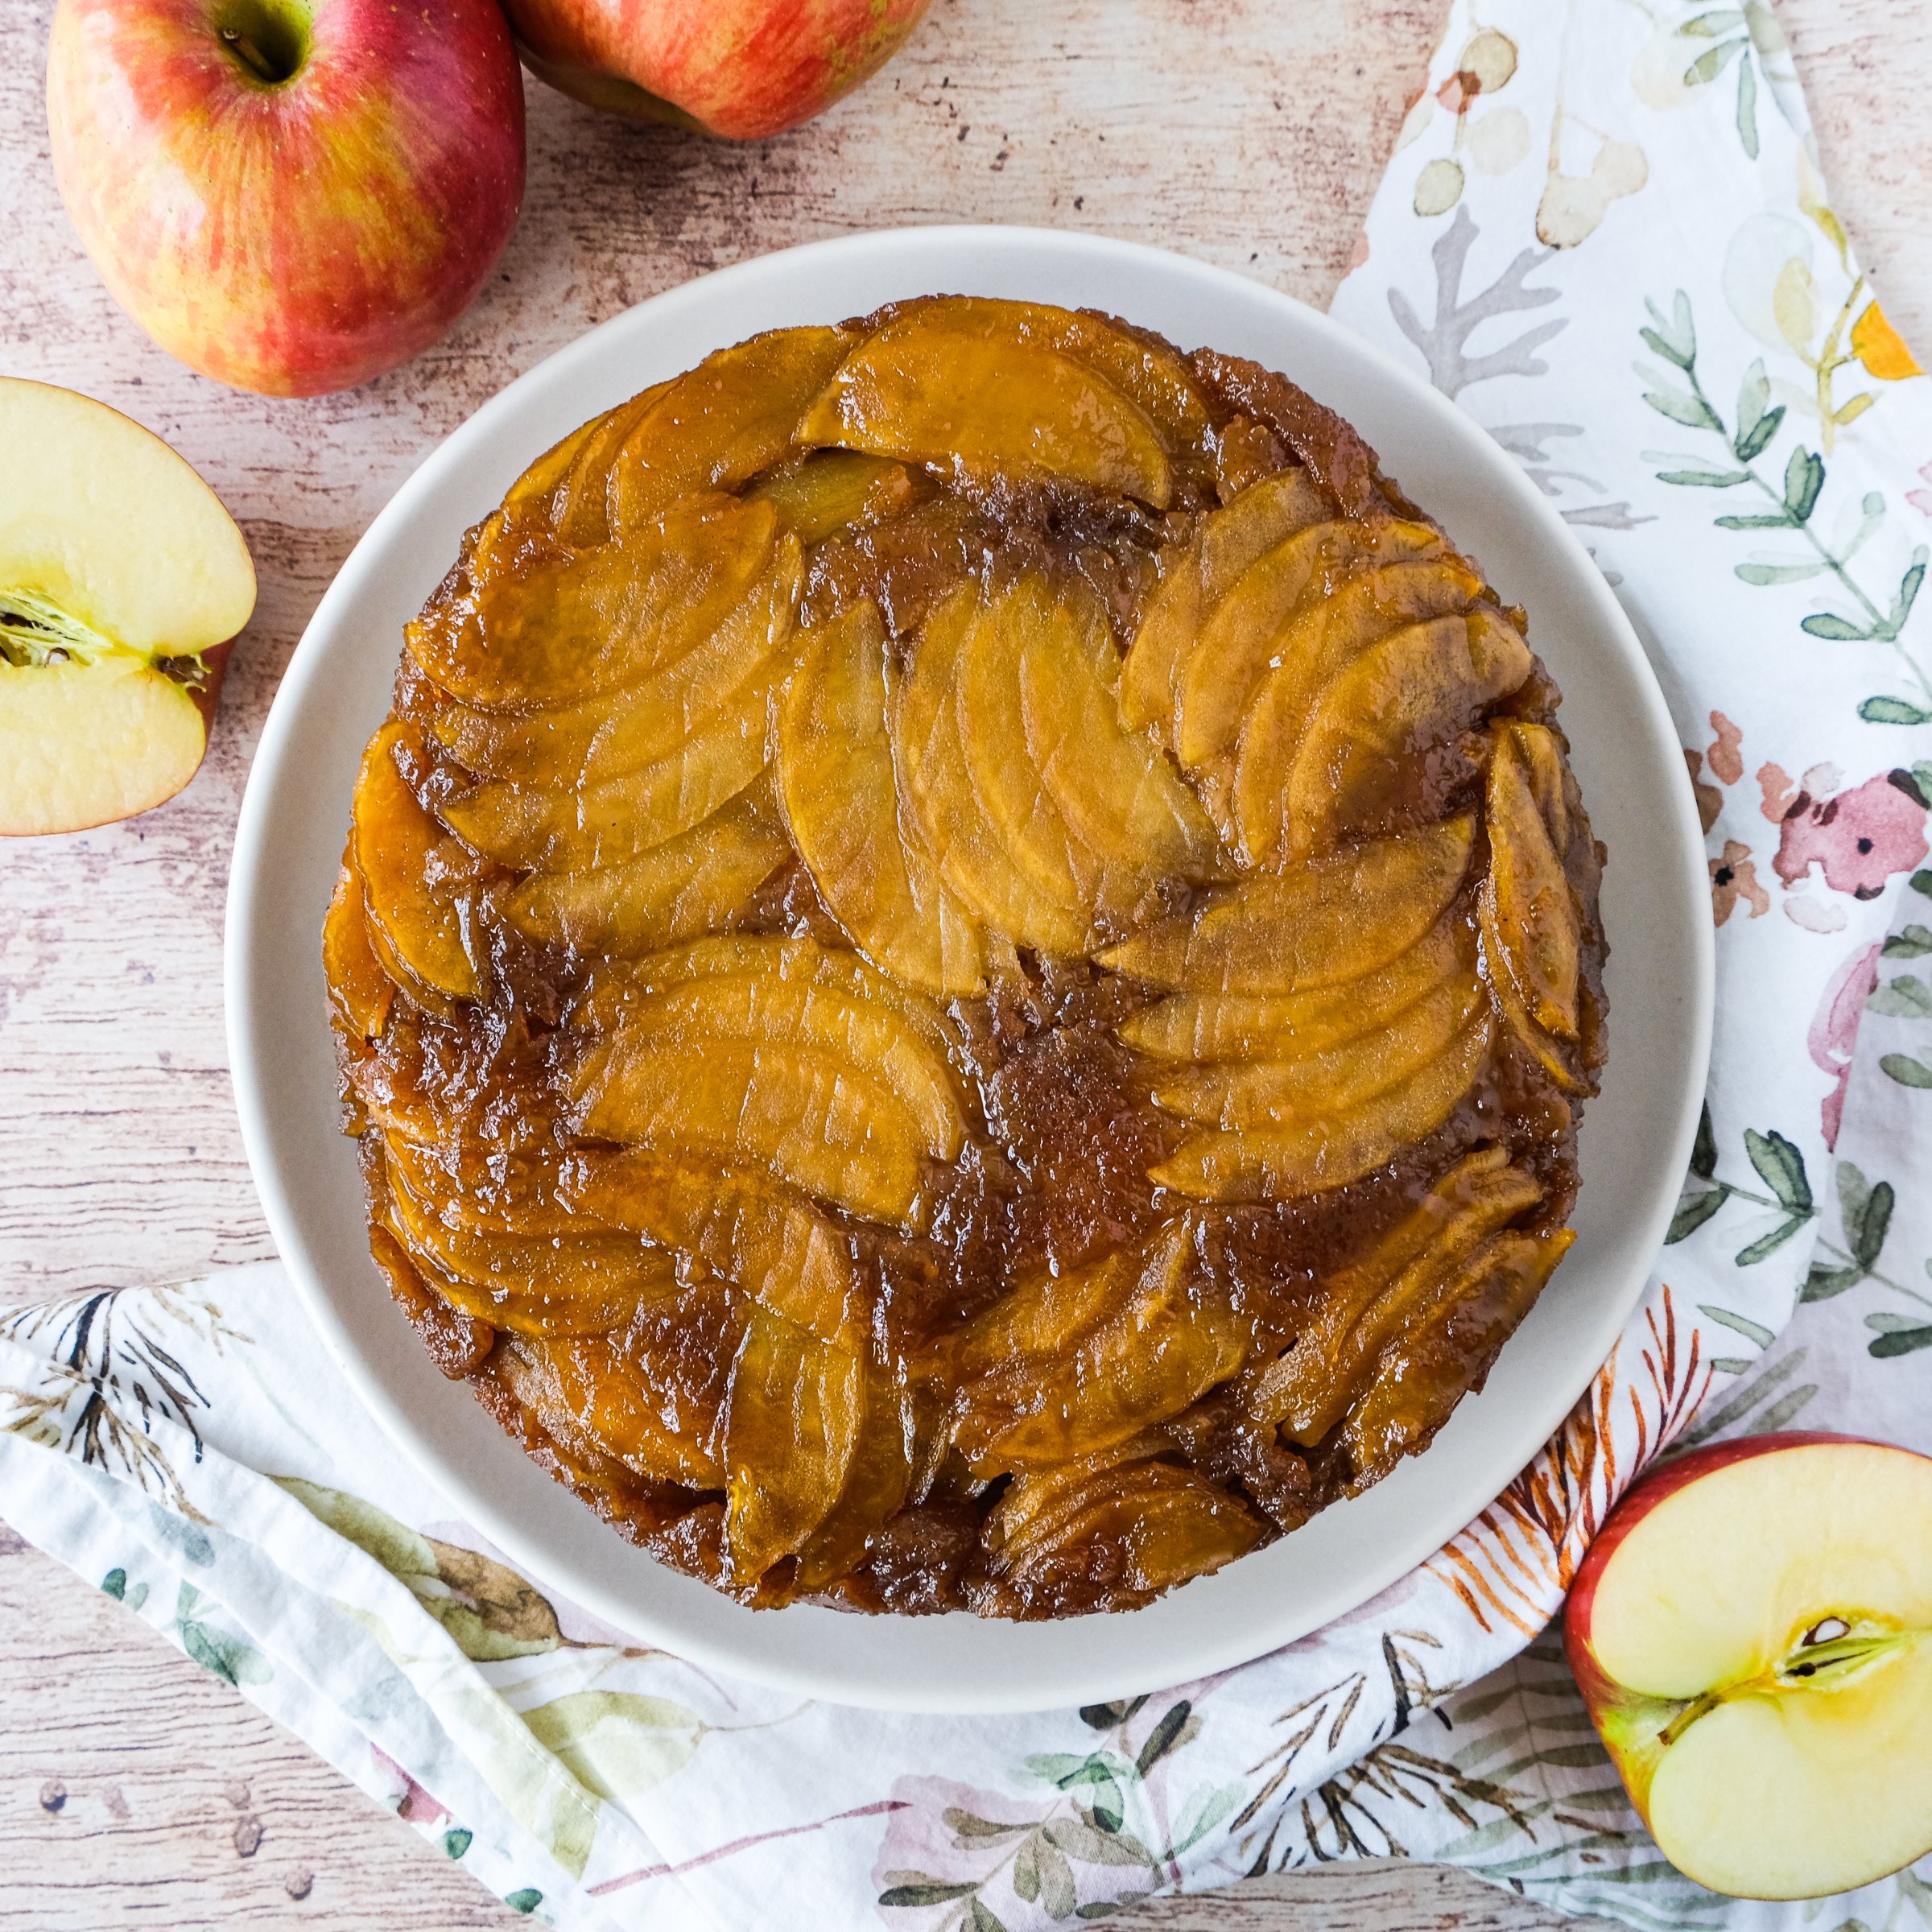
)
(1635, 1143)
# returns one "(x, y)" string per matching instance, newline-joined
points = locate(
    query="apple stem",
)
(250, 56)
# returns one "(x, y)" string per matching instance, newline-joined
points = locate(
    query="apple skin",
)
(742, 69)
(1628, 1723)
(293, 237)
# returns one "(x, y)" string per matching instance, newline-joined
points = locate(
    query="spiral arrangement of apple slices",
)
(964, 967)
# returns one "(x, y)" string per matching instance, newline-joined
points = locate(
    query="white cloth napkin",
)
(1603, 233)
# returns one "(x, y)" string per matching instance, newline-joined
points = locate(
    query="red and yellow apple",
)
(742, 68)
(289, 195)
(1752, 1634)
(122, 582)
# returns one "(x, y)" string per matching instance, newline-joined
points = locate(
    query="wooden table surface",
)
(135, 1789)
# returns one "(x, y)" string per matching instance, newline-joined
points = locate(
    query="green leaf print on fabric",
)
(115, 1585)
(228, 1657)
(1794, 497)
(489, 1610)
(1865, 1210)
(1778, 1163)
(616, 1744)
(526, 1899)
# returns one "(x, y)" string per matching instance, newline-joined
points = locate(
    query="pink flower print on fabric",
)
(1860, 838)
(1921, 499)
(1834, 1034)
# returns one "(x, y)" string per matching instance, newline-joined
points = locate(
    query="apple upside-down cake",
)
(965, 967)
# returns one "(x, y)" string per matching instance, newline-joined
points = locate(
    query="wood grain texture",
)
(1248, 132)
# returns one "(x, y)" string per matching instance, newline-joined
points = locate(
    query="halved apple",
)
(722, 423)
(1328, 920)
(123, 584)
(1262, 1163)
(841, 800)
(932, 387)
(1751, 1631)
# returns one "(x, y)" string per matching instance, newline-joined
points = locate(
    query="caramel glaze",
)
(1063, 1131)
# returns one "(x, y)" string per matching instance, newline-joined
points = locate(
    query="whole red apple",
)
(1752, 1633)
(290, 197)
(741, 68)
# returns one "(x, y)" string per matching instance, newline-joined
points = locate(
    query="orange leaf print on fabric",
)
(1734, 876)
(1726, 763)
(1881, 347)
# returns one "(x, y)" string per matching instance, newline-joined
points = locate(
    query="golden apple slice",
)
(1415, 690)
(841, 802)
(615, 991)
(735, 1223)
(732, 416)
(1045, 1314)
(1333, 918)
(579, 507)
(603, 737)
(360, 991)
(1170, 1340)
(1529, 914)
(834, 490)
(533, 827)
(1362, 1307)
(1131, 821)
(930, 391)
(930, 763)
(122, 582)
(538, 624)
(1208, 1026)
(1194, 580)
(809, 1116)
(792, 1421)
(1328, 636)
(596, 1396)
(753, 1009)
(400, 849)
(698, 880)
(1448, 1341)
(1277, 1092)
(543, 476)
(1254, 626)
(1152, 1523)
(1278, 1164)
(876, 1481)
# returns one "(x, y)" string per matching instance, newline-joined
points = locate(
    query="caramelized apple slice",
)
(810, 1117)
(1306, 1390)
(1325, 638)
(755, 1008)
(1449, 1339)
(734, 1222)
(1400, 700)
(876, 1481)
(1046, 1315)
(540, 623)
(549, 469)
(926, 389)
(595, 1395)
(931, 764)
(360, 991)
(732, 416)
(580, 502)
(1131, 820)
(1151, 1524)
(533, 827)
(1333, 918)
(834, 490)
(1286, 1162)
(399, 847)
(792, 1421)
(1529, 914)
(698, 880)
(615, 991)
(1557, 1058)
(1209, 1027)
(1171, 1340)
(1274, 1093)
(1194, 580)
(841, 801)
(603, 737)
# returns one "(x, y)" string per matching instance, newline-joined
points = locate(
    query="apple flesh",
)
(289, 196)
(123, 582)
(743, 68)
(1752, 1635)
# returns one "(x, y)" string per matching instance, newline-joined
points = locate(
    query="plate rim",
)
(249, 1060)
